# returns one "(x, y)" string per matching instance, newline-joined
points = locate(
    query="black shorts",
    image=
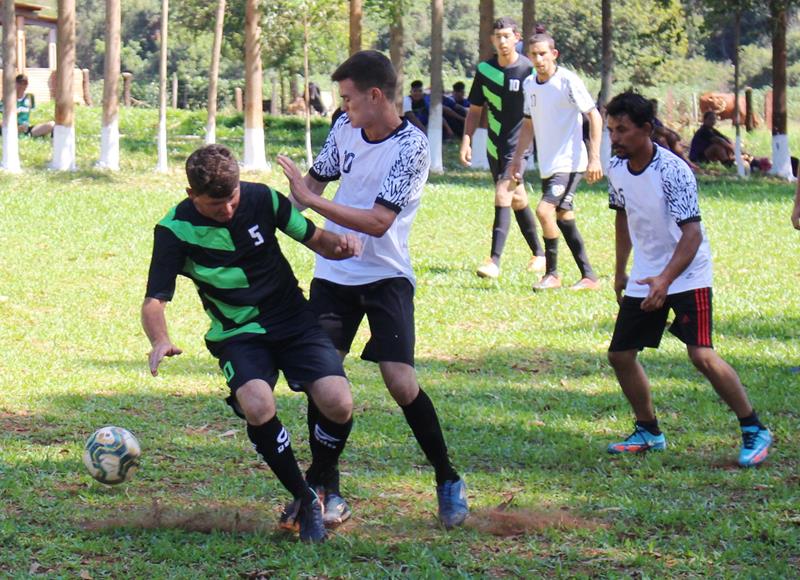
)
(500, 167)
(303, 356)
(637, 329)
(389, 307)
(559, 189)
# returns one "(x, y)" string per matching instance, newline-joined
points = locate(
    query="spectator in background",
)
(709, 145)
(455, 107)
(416, 108)
(25, 104)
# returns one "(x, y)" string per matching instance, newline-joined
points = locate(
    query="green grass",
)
(520, 381)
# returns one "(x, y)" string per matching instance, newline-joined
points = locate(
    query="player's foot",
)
(488, 270)
(586, 284)
(537, 264)
(312, 528)
(755, 446)
(452, 496)
(288, 520)
(548, 282)
(639, 441)
(336, 509)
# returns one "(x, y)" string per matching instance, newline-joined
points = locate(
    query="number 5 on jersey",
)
(256, 235)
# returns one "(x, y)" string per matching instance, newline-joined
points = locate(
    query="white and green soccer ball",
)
(112, 455)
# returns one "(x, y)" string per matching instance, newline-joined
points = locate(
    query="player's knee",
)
(620, 360)
(701, 357)
(256, 401)
(338, 406)
(544, 211)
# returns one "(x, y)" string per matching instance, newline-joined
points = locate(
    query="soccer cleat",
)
(452, 496)
(537, 264)
(488, 270)
(312, 528)
(548, 282)
(585, 284)
(336, 510)
(755, 446)
(288, 520)
(639, 441)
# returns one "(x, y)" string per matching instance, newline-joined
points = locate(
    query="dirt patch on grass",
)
(505, 521)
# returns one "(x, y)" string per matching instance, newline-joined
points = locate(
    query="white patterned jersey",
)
(657, 201)
(390, 172)
(555, 107)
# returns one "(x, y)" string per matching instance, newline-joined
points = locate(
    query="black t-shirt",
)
(501, 90)
(245, 283)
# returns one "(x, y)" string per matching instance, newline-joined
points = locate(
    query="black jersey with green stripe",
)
(245, 283)
(500, 88)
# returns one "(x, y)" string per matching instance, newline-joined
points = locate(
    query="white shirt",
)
(390, 172)
(657, 201)
(555, 107)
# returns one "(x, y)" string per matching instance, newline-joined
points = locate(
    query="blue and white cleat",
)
(755, 446)
(452, 496)
(640, 441)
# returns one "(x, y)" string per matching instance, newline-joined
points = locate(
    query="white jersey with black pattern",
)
(657, 201)
(391, 172)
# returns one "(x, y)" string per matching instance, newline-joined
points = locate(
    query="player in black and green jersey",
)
(222, 237)
(498, 86)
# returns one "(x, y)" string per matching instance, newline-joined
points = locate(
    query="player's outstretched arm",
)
(154, 323)
(623, 252)
(594, 171)
(334, 246)
(470, 124)
(796, 210)
(685, 251)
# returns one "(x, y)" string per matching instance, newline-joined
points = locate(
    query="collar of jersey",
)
(649, 163)
(399, 128)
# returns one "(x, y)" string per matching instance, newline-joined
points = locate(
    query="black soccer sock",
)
(551, 256)
(651, 426)
(424, 423)
(327, 441)
(502, 222)
(751, 421)
(272, 442)
(527, 225)
(575, 242)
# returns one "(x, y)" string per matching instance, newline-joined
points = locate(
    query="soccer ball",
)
(111, 455)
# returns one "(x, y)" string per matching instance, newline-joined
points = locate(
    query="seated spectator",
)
(315, 99)
(709, 145)
(416, 108)
(671, 140)
(25, 104)
(455, 107)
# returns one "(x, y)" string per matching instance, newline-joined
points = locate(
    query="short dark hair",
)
(540, 34)
(368, 69)
(638, 109)
(212, 170)
(416, 85)
(505, 22)
(21, 79)
(459, 86)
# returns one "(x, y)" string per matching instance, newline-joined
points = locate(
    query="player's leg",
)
(527, 225)
(565, 215)
(502, 221)
(546, 212)
(634, 330)
(693, 325)
(390, 311)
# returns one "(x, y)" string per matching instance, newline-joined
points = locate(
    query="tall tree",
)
(396, 48)
(64, 130)
(528, 19)
(356, 14)
(606, 75)
(109, 134)
(162, 91)
(213, 75)
(435, 116)
(254, 154)
(306, 91)
(486, 19)
(781, 160)
(737, 26)
(10, 139)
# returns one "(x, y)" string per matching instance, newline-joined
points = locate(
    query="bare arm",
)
(623, 252)
(374, 221)
(154, 323)
(796, 210)
(685, 251)
(316, 187)
(525, 139)
(414, 120)
(334, 246)
(594, 171)
(470, 124)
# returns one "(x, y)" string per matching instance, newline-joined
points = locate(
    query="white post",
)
(162, 92)
(10, 138)
(479, 158)
(254, 158)
(435, 114)
(781, 159)
(64, 130)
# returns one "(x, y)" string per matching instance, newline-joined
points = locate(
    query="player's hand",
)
(594, 172)
(465, 153)
(658, 292)
(620, 283)
(515, 170)
(159, 352)
(796, 216)
(349, 246)
(300, 192)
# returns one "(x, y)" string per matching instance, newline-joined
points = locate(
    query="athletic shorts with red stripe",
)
(636, 329)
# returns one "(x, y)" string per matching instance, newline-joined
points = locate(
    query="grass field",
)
(527, 400)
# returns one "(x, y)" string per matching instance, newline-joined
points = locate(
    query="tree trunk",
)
(606, 75)
(528, 20)
(64, 131)
(486, 12)
(356, 13)
(109, 134)
(741, 170)
(435, 113)
(396, 49)
(162, 91)
(10, 139)
(781, 160)
(213, 75)
(306, 95)
(255, 158)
